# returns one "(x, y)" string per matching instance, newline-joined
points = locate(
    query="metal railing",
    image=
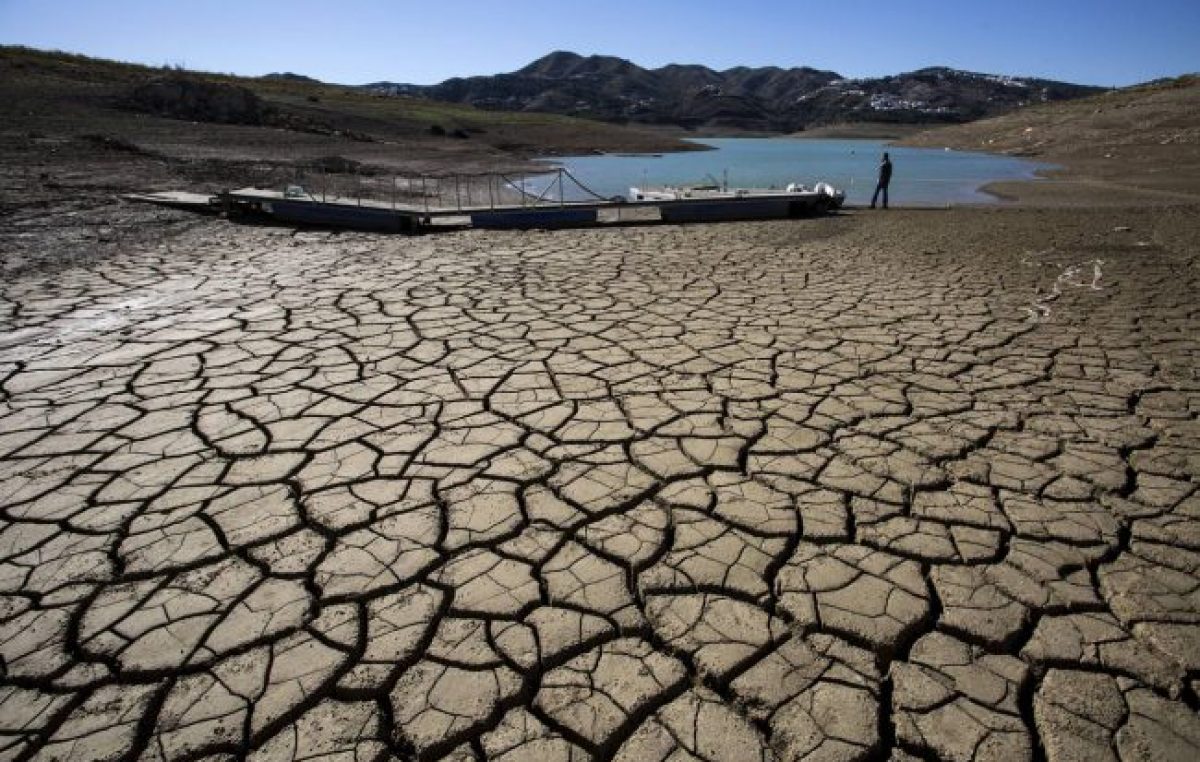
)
(441, 193)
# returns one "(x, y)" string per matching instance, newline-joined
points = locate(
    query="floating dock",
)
(297, 206)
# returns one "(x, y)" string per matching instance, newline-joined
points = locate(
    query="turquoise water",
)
(922, 176)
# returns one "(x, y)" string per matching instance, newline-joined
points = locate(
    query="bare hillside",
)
(1145, 137)
(198, 115)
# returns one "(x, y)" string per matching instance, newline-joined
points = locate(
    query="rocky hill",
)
(767, 99)
(288, 76)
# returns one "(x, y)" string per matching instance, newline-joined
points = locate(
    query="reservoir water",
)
(922, 176)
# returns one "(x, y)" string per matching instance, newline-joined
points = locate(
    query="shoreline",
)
(990, 188)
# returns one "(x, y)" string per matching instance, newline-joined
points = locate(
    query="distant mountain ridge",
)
(770, 99)
(287, 76)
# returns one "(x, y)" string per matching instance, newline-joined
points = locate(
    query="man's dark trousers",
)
(880, 187)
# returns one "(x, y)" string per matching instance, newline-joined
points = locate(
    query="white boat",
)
(697, 203)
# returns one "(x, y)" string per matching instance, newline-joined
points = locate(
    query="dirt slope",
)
(1143, 140)
(53, 96)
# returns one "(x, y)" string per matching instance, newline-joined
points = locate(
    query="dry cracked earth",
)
(917, 486)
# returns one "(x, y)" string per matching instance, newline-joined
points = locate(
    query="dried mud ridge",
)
(721, 493)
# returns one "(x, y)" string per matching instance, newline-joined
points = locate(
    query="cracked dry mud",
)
(826, 490)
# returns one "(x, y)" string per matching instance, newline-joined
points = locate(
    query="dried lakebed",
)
(825, 490)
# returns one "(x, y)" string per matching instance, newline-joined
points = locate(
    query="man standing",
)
(885, 177)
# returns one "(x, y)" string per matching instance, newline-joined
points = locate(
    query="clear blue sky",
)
(1103, 42)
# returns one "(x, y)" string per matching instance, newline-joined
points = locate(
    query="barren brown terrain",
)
(1136, 145)
(894, 485)
(52, 97)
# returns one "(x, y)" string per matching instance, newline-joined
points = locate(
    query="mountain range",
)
(768, 99)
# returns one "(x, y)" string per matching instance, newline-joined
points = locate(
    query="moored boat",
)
(699, 203)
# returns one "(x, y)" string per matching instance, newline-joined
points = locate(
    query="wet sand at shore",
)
(904, 484)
